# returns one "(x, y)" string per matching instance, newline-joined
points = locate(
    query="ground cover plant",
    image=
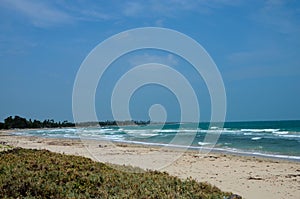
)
(27, 173)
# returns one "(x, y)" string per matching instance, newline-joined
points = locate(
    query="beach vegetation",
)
(30, 173)
(18, 122)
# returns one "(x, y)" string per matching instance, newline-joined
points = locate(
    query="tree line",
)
(114, 123)
(18, 122)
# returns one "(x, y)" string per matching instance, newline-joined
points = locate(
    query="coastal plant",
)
(27, 173)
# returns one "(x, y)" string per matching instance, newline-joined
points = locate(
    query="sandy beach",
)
(250, 177)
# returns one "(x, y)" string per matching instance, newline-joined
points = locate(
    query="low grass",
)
(27, 173)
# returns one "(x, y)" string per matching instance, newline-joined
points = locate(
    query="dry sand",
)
(250, 177)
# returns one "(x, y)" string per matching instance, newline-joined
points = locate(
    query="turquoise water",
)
(279, 139)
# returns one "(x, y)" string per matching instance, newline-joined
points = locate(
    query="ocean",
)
(275, 139)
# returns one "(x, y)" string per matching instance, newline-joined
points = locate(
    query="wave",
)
(230, 136)
(176, 130)
(103, 137)
(281, 132)
(203, 143)
(290, 136)
(218, 150)
(214, 128)
(98, 131)
(165, 130)
(141, 133)
(259, 130)
(256, 138)
(149, 134)
(260, 154)
(72, 136)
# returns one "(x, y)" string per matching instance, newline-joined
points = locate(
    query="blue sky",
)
(255, 45)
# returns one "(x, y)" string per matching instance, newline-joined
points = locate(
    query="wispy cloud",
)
(279, 15)
(87, 10)
(252, 56)
(51, 13)
(169, 59)
(261, 64)
(39, 13)
(159, 23)
(172, 8)
(133, 8)
(260, 71)
(17, 46)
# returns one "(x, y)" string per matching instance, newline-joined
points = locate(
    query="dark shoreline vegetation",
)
(18, 122)
(29, 173)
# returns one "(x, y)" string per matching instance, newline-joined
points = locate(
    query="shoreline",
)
(190, 148)
(250, 177)
(218, 151)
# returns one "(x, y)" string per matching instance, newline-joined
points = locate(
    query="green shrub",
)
(26, 173)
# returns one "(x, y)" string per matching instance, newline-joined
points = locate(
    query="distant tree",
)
(36, 124)
(29, 124)
(8, 122)
(19, 122)
(1, 125)
(16, 122)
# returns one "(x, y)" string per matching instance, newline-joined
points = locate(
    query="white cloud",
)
(38, 12)
(17, 46)
(86, 11)
(173, 8)
(159, 23)
(133, 9)
(260, 71)
(169, 59)
(261, 64)
(279, 16)
(252, 56)
(51, 13)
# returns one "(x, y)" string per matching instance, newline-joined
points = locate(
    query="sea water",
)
(278, 139)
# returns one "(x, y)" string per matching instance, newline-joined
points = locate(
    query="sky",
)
(255, 45)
